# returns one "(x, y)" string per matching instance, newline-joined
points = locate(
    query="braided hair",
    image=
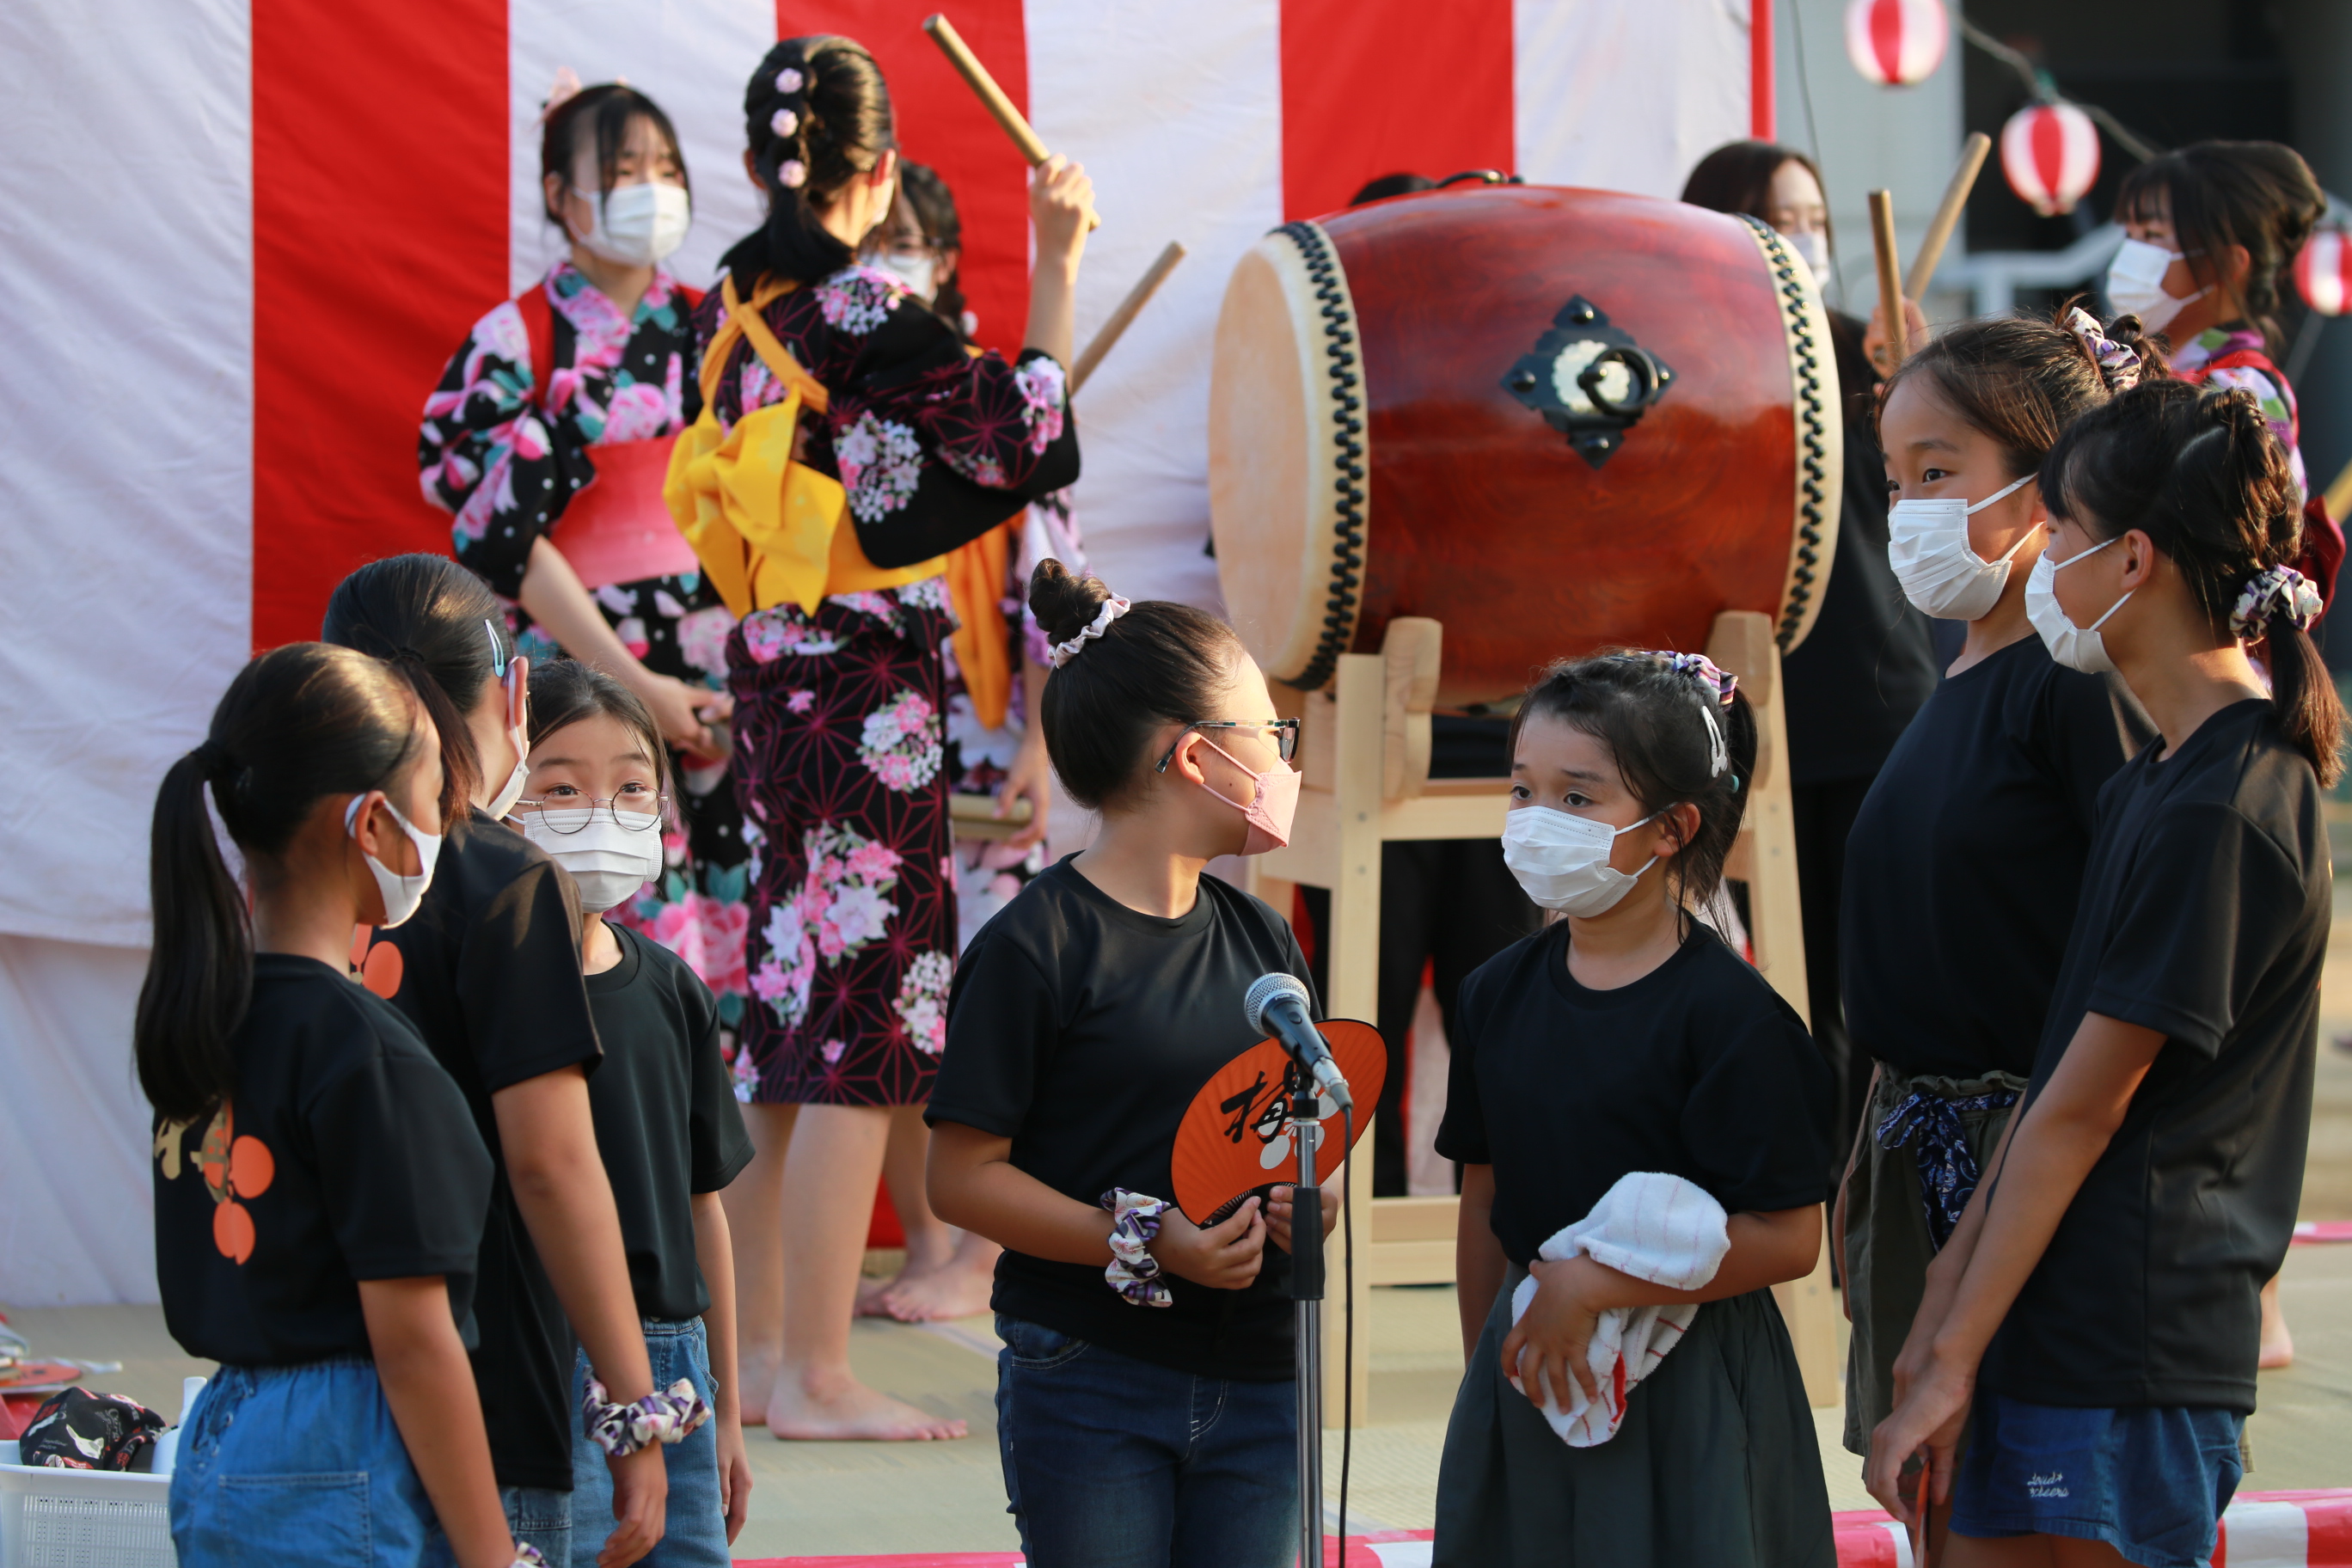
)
(2200, 473)
(816, 115)
(298, 724)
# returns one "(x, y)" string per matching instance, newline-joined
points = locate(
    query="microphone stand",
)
(1307, 1292)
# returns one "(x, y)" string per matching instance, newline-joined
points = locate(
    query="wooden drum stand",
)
(1364, 748)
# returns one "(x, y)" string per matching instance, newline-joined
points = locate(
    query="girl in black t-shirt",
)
(667, 1122)
(1084, 1017)
(488, 973)
(1625, 1049)
(2107, 1275)
(318, 1190)
(1967, 856)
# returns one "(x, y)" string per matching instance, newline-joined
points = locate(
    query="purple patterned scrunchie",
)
(2119, 367)
(2274, 594)
(528, 1556)
(659, 1418)
(1133, 1272)
(1714, 681)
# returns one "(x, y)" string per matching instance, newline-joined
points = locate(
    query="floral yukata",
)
(840, 759)
(2196, 362)
(492, 456)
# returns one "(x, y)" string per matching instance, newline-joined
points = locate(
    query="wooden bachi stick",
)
(1890, 275)
(991, 97)
(1956, 197)
(1128, 308)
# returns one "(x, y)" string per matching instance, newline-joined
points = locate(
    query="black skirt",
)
(1715, 1463)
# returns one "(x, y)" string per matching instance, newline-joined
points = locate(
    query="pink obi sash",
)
(618, 529)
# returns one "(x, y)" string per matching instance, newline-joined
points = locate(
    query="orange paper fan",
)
(1235, 1138)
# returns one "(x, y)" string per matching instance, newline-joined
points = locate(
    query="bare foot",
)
(755, 1371)
(853, 1411)
(871, 1288)
(2278, 1345)
(959, 1289)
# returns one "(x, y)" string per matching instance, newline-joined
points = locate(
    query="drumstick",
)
(1955, 196)
(1890, 276)
(991, 97)
(1128, 308)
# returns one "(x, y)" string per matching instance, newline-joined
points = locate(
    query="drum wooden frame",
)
(1384, 440)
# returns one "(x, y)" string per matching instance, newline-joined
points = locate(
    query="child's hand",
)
(1061, 200)
(1280, 1206)
(1927, 1421)
(1552, 1341)
(734, 1475)
(1225, 1256)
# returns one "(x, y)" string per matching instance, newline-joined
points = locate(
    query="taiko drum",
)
(1552, 419)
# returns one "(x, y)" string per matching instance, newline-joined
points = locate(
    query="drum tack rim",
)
(1342, 417)
(1820, 437)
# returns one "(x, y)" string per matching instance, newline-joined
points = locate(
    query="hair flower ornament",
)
(783, 122)
(791, 174)
(2118, 365)
(561, 90)
(789, 81)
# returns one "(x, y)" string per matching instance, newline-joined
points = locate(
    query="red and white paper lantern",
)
(2051, 154)
(1896, 43)
(2322, 271)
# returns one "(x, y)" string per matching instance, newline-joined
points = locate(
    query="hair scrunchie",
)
(1112, 608)
(662, 1416)
(2118, 365)
(528, 1556)
(2275, 594)
(1133, 1272)
(1716, 686)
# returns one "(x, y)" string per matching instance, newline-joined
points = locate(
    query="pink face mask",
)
(1272, 804)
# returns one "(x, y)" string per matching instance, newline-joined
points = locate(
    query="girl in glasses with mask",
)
(667, 1122)
(548, 438)
(1626, 1048)
(2097, 1310)
(1964, 861)
(1084, 1017)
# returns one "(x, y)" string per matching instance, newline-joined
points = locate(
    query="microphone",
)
(1277, 1005)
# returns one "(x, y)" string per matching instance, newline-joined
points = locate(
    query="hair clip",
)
(1112, 608)
(789, 81)
(791, 174)
(562, 90)
(2119, 367)
(2275, 594)
(783, 122)
(1716, 687)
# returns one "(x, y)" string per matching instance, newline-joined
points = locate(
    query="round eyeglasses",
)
(633, 810)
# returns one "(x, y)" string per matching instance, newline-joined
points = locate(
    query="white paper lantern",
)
(2323, 273)
(1896, 43)
(2051, 154)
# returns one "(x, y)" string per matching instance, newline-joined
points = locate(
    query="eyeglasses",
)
(572, 813)
(1285, 735)
(911, 247)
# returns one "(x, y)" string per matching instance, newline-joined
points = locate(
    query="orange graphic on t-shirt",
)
(233, 1168)
(380, 966)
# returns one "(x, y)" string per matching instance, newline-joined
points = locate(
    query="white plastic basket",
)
(88, 1519)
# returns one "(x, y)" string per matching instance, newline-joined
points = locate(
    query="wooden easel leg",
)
(1742, 643)
(1354, 969)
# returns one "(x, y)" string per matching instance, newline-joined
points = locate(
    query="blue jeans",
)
(541, 1517)
(299, 1464)
(696, 1533)
(1110, 1462)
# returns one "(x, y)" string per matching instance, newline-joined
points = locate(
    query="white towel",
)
(1655, 1227)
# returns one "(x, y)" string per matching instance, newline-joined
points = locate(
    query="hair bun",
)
(1065, 606)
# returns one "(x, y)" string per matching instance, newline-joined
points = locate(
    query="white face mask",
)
(638, 225)
(1814, 246)
(2077, 648)
(402, 895)
(511, 792)
(919, 273)
(609, 860)
(1562, 861)
(2135, 284)
(1927, 545)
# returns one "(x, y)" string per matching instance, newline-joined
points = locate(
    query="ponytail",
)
(816, 115)
(2200, 472)
(297, 723)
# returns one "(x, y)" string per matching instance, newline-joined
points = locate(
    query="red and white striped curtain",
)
(244, 235)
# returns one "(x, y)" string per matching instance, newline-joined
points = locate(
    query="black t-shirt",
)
(2204, 915)
(1081, 1029)
(344, 1154)
(666, 1121)
(1865, 667)
(1964, 861)
(489, 974)
(1697, 1069)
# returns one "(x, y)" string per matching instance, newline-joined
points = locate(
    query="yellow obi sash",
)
(767, 528)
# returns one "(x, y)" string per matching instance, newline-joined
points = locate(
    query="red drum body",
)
(1554, 420)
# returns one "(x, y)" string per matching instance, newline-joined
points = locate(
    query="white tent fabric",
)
(127, 212)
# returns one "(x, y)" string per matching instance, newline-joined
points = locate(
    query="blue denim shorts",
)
(2150, 1481)
(696, 1533)
(1110, 1462)
(299, 1464)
